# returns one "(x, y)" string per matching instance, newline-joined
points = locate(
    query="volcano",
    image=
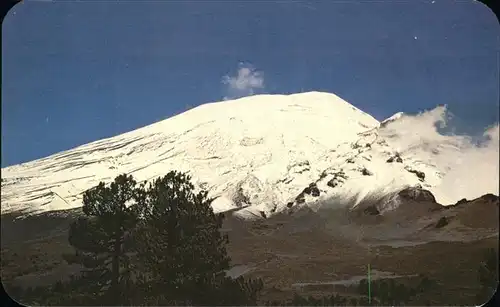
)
(257, 156)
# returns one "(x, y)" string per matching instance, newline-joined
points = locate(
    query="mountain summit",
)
(264, 153)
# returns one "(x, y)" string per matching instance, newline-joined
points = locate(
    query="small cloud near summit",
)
(245, 83)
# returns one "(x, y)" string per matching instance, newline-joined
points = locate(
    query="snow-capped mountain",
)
(266, 153)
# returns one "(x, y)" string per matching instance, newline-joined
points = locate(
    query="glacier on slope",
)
(264, 153)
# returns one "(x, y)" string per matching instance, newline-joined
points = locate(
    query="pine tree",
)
(181, 248)
(153, 245)
(100, 238)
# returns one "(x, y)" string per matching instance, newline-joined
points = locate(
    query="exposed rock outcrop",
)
(312, 190)
(490, 198)
(419, 174)
(395, 158)
(337, 179)
(442, 222)
(417, 194)
(371, 210)
(366, 172)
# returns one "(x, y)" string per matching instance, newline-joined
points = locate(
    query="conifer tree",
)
(153, 245)
(100, 238)
(181, 247)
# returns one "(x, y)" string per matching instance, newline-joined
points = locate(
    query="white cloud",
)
(244, 83)
(471, 168)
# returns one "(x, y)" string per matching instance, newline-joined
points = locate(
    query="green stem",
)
(369, 286)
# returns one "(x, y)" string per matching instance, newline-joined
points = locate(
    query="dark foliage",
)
(101, 236)
(147, 245)
(181, 250)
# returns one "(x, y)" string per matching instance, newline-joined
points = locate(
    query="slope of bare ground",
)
(420, 221)
(478, 213)
(31, 248)
(300, 251)
(335, 246)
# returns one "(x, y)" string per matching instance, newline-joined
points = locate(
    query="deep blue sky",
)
(78, 71)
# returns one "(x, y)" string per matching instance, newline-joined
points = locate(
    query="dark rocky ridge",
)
(417, 194)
